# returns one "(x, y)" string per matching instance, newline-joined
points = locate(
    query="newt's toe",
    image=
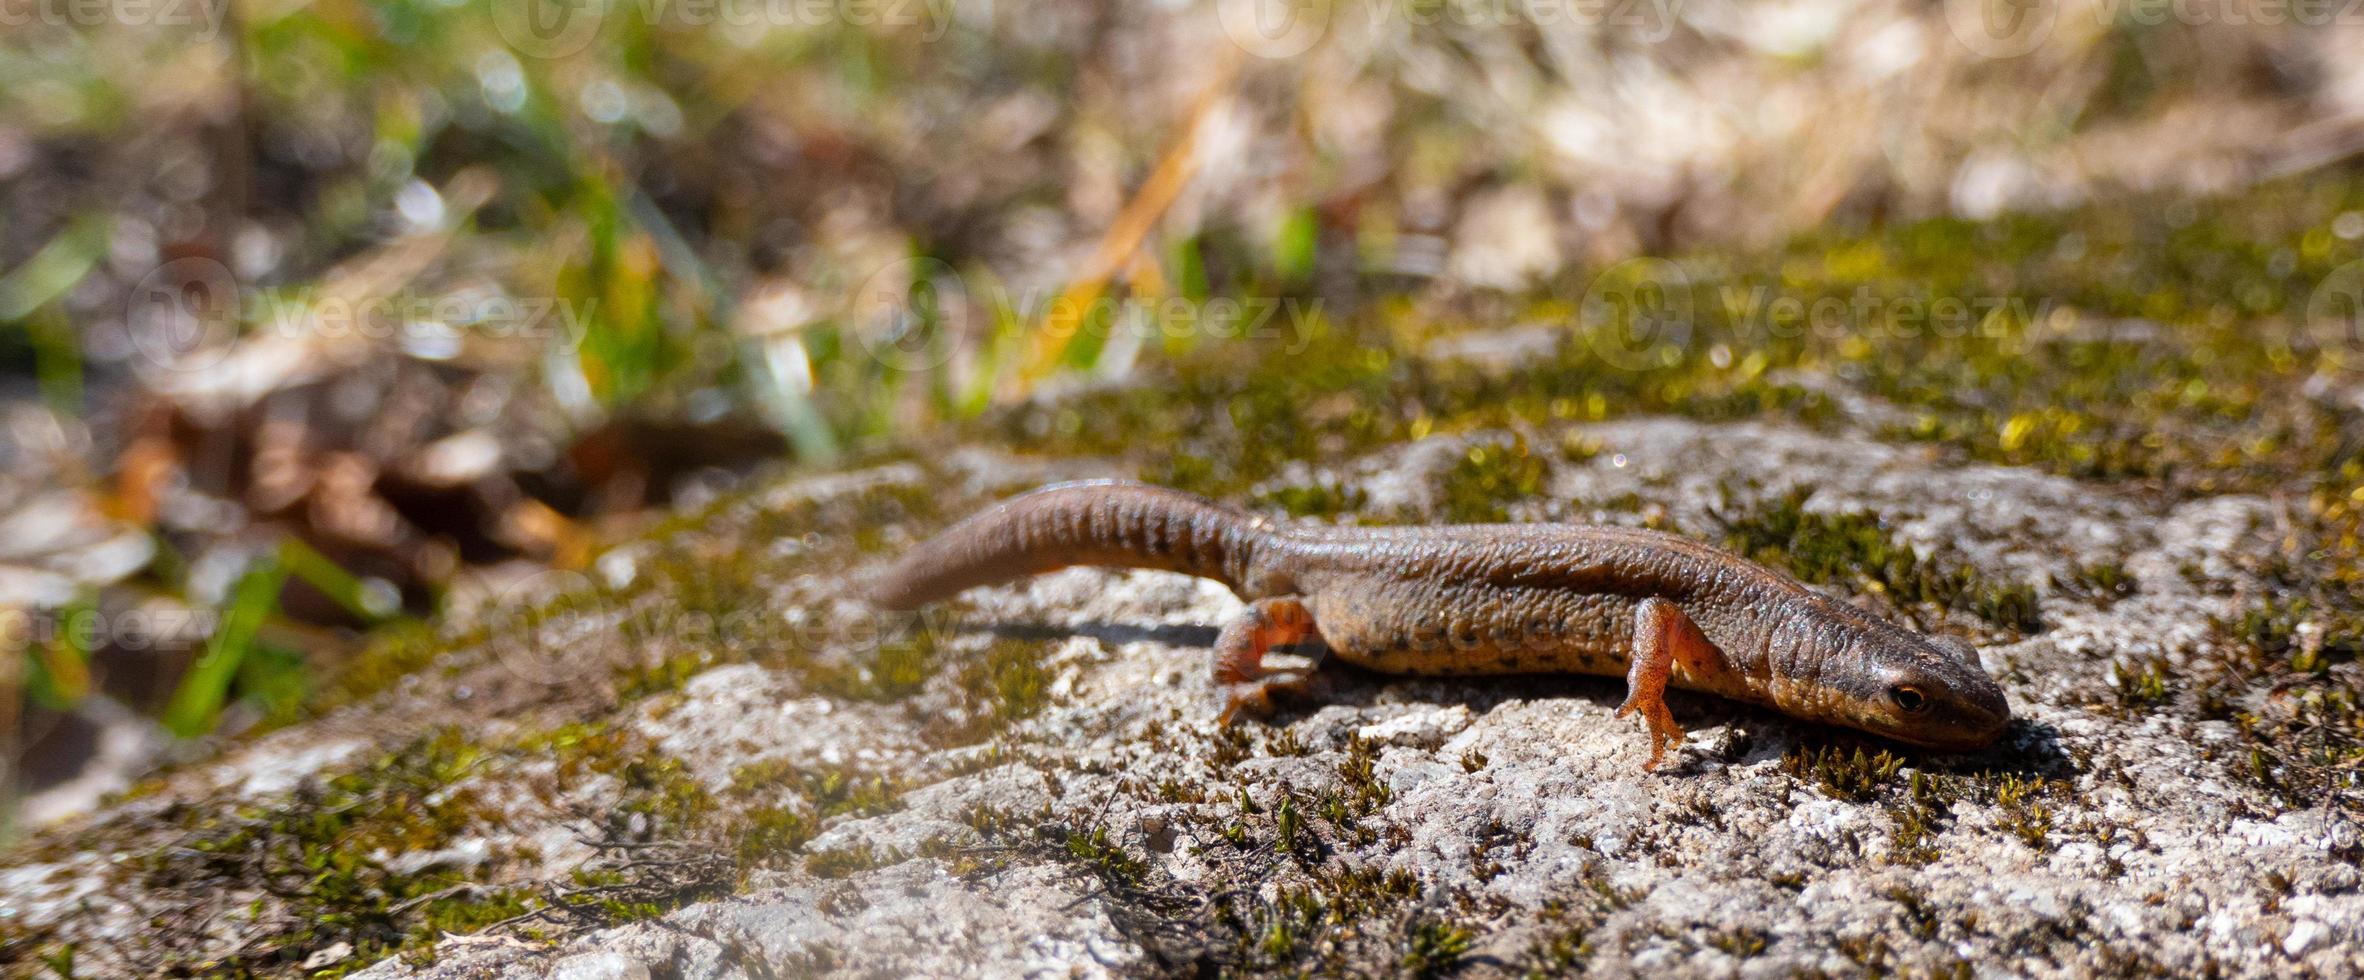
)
(1252, 697)
(1255, 697)
(1664, 733)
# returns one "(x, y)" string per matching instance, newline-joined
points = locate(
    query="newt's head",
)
(1834, 663)
(1923, 690)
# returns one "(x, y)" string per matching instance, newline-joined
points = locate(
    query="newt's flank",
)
(1490, 599)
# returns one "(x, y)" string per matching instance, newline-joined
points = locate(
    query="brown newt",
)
(1490, 599)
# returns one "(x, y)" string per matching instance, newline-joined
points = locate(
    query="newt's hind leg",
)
(1662, 636)
(1239, 654)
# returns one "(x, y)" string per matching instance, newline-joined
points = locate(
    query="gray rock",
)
(1494, 826)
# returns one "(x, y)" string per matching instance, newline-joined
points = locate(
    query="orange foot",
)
(1239, 654)
(1661, 636)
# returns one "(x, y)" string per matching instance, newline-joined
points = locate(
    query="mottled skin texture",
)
(1490, 599)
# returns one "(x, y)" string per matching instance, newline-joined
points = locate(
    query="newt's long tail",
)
(1109, 523)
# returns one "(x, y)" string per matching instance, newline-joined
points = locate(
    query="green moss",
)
(1740, 942)
(2143, 685)
(609, 898)
(1869, 952)
(901, 668)
(872, 513)
(2307, 740)
(771, 835)
(1919, 920)
(1286, 742)
(462, 916)
(1288, 823)
(320, 855)
(845, 862)
(392, 653)
(1329, 498)
(1560, 953)
(637, 681)
(1857, 550)
(27, 951)
(1857, 776)
(1488, 477)
(2102, 583)
(746, 820)
(1005, 686)
(1577, 448)
(1358, 777)
(1434, 947)
(1919, 806)
(766, 836)
(829, 792)
(1171, 790)
(2273, 629)
(987, 820)
(1095, 849)
(2025, 812)
(1321, 923)
(1233, 744)
(1919, 816)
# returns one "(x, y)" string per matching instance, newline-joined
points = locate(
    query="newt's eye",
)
(1908, 698)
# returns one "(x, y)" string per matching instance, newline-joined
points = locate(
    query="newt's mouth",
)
(1967, 731)
(1947, 742)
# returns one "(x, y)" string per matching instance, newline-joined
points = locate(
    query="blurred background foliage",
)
(319, 317)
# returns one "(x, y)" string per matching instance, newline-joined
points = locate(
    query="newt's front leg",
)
(1662, 635)
(1239, 653)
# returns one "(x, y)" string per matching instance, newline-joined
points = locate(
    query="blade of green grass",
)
(58, 267)
(57, 360)
(196, 705)
(312, 568)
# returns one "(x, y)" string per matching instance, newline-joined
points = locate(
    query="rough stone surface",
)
(1513, 812)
